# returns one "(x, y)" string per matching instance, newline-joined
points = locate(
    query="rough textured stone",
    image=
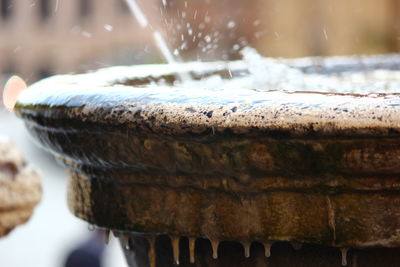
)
(20, 189)
(248, 166)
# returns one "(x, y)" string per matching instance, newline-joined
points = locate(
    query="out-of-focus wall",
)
(323, 27)
(283, 28)
(42, 37)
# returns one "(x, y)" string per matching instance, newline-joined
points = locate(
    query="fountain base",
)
(249, 165)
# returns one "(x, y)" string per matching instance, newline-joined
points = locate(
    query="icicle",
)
(296, 245)
(175, 248)
(214, 246)
(116, 234)
(267, 248)
(246, 247)
(91, 227)
(126, 241)
(107, 236)
(152, 251)
(192, 245)
(344, 255)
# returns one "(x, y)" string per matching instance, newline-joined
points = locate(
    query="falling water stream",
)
(158, 38)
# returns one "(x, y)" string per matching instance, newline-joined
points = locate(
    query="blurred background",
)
(39, 38)
(45, 37)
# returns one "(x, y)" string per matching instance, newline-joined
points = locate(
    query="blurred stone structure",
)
(44, 37)
(341, 27)
(20, 189)
(288, 28)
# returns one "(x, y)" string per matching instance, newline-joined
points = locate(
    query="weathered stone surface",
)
(248, 166)
(20, 189)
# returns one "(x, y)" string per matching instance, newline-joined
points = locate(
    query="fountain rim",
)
(100, 97)
(97, 137)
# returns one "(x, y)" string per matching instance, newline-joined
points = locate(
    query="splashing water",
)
(269, 74)
(158, 38)
(264, 72)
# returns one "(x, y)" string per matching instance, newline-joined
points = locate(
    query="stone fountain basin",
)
(243, 165)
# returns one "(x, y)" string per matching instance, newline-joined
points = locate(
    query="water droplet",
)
(107, 236)
(325, 34)
(175, 248)
(344, 251)
(214, 246)
(86, 34)
(152, 251)
(267, 248)
(108, 27)
(207, 38)
(231, 24)
(126, 241)
(192, 246)
(183, 46)
(246, 247)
